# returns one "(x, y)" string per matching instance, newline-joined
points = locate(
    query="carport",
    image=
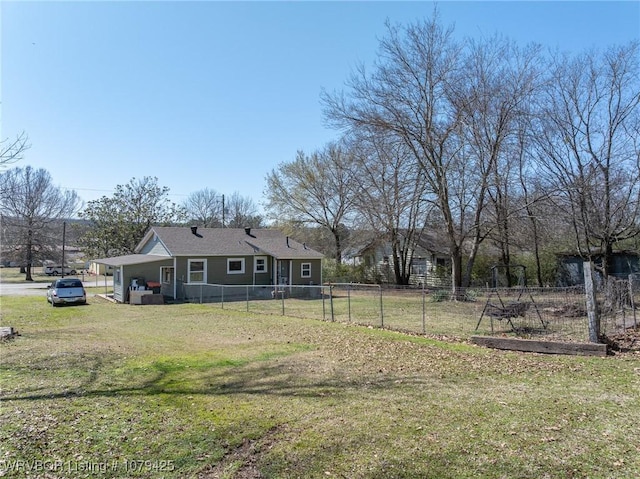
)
(143, 268)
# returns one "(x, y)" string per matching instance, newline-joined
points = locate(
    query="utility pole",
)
(64, 234)
(223, 211)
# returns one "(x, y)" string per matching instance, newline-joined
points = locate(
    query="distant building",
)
(571, 266)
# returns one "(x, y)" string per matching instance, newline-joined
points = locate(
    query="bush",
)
(440, 295)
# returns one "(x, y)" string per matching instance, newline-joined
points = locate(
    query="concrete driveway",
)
(23, 289)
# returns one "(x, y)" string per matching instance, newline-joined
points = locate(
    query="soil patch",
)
(625, 341)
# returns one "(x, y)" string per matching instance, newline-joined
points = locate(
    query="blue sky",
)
(217, 94)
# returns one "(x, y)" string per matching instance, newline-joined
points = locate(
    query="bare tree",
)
(12, 150)
(389, 197)
(408, 97)
(493, 94)
(31, 208)
(205, 208)
(241, 211)
(588, 146)
(314, 189)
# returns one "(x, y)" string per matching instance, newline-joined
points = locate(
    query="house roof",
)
(131, 259)
(181, 241)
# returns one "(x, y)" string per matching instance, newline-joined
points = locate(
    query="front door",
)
(283, 272)
(166, 277)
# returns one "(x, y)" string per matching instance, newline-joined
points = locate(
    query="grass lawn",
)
(180, 391)
(13, 275)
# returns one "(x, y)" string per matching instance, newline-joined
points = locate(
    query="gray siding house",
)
(170, 258)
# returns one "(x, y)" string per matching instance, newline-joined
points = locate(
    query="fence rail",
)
(551, 313)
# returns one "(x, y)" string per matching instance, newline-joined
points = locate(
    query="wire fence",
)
(540, 313)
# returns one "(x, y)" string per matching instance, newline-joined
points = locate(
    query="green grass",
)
(412, 312)
(200, 391)
(13, 275)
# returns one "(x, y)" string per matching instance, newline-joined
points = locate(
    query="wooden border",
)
(535, 346)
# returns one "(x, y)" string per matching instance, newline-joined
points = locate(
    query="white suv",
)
(57, 270)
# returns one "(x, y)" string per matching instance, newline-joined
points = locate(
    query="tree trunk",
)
(29, 256)
(536, 249)
(336, 236)
(456, 273)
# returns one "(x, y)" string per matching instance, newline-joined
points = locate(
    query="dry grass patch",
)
(218, 393)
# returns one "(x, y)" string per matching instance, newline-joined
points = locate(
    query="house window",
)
(235, 266)
(419, 266)
(305, 270)
(197, 271)
(116, 277)
(261, 264)
(167, 275)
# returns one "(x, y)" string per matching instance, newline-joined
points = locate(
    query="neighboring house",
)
(571, 266)
(175, 257)
(98, 269)
(429, 266)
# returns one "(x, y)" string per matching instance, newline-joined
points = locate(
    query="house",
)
(174, 258)
(98, 269)
(429, 265)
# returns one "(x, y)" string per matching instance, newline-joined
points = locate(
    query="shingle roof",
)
(131, 259)
(180, 241)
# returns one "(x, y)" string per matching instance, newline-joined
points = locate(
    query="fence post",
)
(592, 306)
(200, 294)
(632, 300)
(333, 318)
(247, 298)
(324, 309)
(282, 294)
(381, 312)
(222, 295)
(424, 312)
(349, 301)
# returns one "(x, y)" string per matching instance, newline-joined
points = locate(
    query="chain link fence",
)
(617, 299)
(556, 314)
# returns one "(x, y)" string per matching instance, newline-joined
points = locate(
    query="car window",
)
(69, 283)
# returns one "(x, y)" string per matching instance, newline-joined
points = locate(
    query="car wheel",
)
(73, 271)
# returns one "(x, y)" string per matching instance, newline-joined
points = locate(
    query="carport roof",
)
(131, 259)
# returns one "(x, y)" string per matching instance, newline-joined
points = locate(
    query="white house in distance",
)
(430, 261)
